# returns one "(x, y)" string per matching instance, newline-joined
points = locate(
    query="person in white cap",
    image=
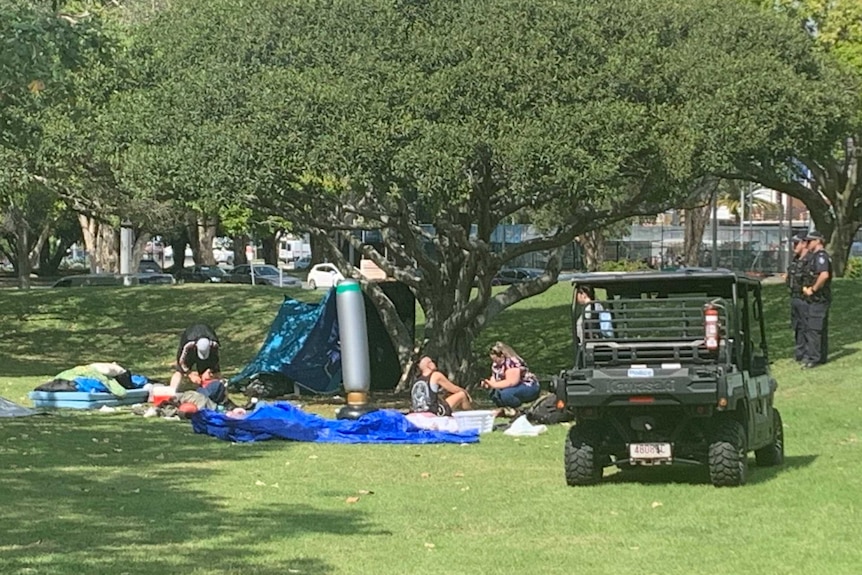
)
(198, 360)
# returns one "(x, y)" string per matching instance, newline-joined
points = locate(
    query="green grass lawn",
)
(84, 493)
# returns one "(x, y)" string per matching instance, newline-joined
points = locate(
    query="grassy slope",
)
(96, 493)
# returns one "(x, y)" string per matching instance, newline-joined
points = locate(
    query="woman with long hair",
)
(511, 383)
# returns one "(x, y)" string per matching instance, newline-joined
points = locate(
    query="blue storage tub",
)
(86, 399)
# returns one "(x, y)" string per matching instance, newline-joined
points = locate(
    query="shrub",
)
(854, 268)
(623, 266)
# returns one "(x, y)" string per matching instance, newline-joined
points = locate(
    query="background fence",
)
(755, 248)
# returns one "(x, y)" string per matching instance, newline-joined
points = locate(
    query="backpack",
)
(544, 411)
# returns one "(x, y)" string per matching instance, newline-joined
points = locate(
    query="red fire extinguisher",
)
(712, 333)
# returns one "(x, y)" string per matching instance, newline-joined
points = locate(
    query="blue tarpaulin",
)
(302, 345)
(282, 420)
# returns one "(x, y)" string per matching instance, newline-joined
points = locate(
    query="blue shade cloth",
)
(281, 420)
(302, 344)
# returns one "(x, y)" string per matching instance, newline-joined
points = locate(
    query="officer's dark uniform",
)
(797, 275)
(817, 323)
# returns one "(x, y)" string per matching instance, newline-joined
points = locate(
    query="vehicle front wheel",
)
(582, 458)
(728, 465)
(772, 454)
(311, 284)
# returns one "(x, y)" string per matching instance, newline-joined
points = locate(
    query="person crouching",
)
(198, 362)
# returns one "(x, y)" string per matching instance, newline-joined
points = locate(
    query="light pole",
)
(714, 230)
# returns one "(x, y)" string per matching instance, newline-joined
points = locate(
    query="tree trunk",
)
(696, 218)
(50, 260)
(138, 249)
(239, 243)
(316, 250)
(107, 249)
(269, 247)
(207, 228)
(839, 243)
(594, 249)
(835, 202)
(178, 248)
(22, 241)
(90, 232)
(453, 354)
(202, 232)
(36, 249)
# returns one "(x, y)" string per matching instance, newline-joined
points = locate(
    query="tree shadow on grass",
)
(47, 331)
(699, 474)
(84, 494)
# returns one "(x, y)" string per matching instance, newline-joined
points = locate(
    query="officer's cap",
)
(814, 235)
(798, 238)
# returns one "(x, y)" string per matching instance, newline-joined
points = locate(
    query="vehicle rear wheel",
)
(311, 284)
(581, 456)
(728, 465)
(772, 454)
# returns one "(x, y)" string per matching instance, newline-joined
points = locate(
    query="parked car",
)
(201, 274)
(102, 280)
(323, 275)
(302, 263)
(223, 256)
(263, 275)
(86, 280)
(150, 278)
(511, 276)
(149, 267)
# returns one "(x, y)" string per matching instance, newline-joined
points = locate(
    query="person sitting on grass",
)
(198, 360)
(511, 384)
(428, 396)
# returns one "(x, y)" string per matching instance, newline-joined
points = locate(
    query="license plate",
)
(649, 451)
(641, 372)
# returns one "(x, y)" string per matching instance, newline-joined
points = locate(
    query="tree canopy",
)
(389, 114)
(428, 122)
(825, 177)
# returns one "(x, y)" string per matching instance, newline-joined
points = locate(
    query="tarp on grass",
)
(11, 409)
(282, 420)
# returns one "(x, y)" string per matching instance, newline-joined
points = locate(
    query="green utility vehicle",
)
(669, 368)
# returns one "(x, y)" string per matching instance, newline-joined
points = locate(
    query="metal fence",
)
(755, 248)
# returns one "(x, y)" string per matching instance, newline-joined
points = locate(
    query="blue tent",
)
(302, 345)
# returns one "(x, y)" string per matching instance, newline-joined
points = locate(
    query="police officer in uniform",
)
(795, 280)
(818, 294)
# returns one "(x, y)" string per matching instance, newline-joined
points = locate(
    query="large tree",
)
(465, 115)
(42, 55)
(391, 114)
(826, 179)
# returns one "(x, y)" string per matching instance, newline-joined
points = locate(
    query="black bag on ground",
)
(544, 411)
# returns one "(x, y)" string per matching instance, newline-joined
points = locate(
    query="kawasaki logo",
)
(642, 386)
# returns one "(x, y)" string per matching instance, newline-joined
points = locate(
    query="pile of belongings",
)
(180, 406)
(95, 378)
